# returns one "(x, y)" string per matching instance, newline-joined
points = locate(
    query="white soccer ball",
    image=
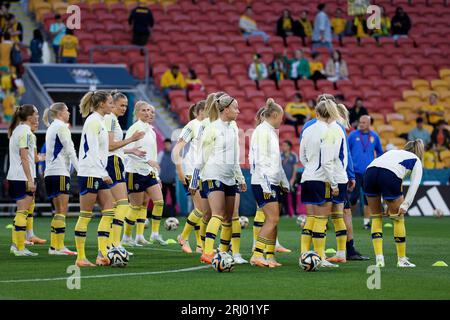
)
(119, 257)
(244, 222)
(171, 224)
(301, 220)
(310, 261)
(223, 262)
(438, 213)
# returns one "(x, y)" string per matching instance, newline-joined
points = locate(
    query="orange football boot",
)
(100, 261)
(206, 258)
(84, 263)
(37, 240)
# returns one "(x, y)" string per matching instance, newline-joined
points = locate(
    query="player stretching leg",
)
(384, 177)
(60, 156)
(268, 181)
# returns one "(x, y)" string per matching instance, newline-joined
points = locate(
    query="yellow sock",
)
(103, 231)
(80, 233)
(318, 234)
(53, 241)
(203, 226)
(120, 212)
(157, 212)
(211, 233)
(59, 227)
(20, 228)
(235, 235)
(306, 237)
(130, 220)
(30, 219)
(198, 238)
(260, 246)
(140, 221)
(400, 236)
(258, 223)
(341, 232)
(191, 222)
(270, 248)
(377, 233)
(225, 237)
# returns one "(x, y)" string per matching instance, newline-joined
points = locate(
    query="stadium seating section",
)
(393, 81)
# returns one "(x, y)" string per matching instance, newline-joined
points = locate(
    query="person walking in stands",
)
(141, 19)
(57, 31)
(68, 50)
(167, 173)
(322, 30)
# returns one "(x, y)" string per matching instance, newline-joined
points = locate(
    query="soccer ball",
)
(223, 262)
(171, 224)
(438, 213)
(118, 256)
(244, 222)
(310, 261)
(301, 220)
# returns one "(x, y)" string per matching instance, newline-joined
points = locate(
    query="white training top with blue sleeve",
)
(341, 162)
(22, 138)
(190, 135)
(112, 125)
(401, 163)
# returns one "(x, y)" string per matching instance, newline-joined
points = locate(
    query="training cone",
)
(330, 251)
(388, 225)
(440, 264)
(171, 241)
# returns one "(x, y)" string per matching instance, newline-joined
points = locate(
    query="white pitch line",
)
(110, 275)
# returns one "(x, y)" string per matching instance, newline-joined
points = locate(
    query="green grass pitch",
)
(154, 271)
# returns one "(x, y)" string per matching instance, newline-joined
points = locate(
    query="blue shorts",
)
(261, 200)
(342, 197)
(56, 185)
(115, 170)
(18, 190)
(215, 185)
(316, 192)
(187, 182)
(347, 204)
(380, 181)
(203, 191)
(91, 185)
(140, 183)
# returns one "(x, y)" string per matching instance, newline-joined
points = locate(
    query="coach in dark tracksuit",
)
(141, 18)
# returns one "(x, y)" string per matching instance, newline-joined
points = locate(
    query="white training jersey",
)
(22, 138)
(219, 158)
(340, 162)
(135, 164)
(60, 152)
(94, 144)
(112, 125)
(319, 149)
(265, 158)
(402, 163)
(190, 135)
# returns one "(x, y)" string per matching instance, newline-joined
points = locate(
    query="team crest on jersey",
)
(96, 185)
(136, 186)
(372, 139)
(274, 194)
(217, 184)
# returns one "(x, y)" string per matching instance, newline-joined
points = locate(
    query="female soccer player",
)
(93, 178)
(219, 168)
(60, 156)
(268, 181)
(22, 171)
(115, 168)
(189, 136)
(319, 148)
(384, 177)
(142, 178)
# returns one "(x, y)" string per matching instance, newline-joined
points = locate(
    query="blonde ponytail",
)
(327, 109)
(271, 107)
(417, 147)
(344, 115)
(192, 113)
(260, 114)
(53, 111)
(211, 101)
(91, 101)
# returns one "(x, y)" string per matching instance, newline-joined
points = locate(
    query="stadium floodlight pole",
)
(146, 51)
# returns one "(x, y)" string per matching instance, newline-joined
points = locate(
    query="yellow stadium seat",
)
(395, 118)
(397, 141)
(60, 7)
(444, 73)
(383, 142)
(386, 131)
(402, 105)
(411, 95)
(130, 4)
(439, 84)
(378, 118)
(41, 9)
(52, 2)
(411, 117)
(425, 94)
(32, 4)
(403, 128)
(90, 2)
(444, 94)
(445, 158)
(428, 127)
(420, 84)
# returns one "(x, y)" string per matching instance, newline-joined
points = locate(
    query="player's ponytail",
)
(325, 96)
(53, 111)
(260, 114)
(327, 110)
(117, 95)
(417, 147)
(20, 114)
(199, 107)
(272, 107)
(91, 101)
(344, 115)
(220, 104)
(192, 113)
(211, 101)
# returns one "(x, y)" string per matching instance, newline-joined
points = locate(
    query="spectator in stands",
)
(401, 24)
(68, 50)
(385, 26)
(16, 59)
(297, 112)
(57, 32)
(36, 45)
(172, 79)
(360, 29)
(9, 101)
(5, 51)
(429, 157)
(298, 67)
(257, 70)
(434, 111)
(14, 28)
(248, 26)
(289, 161)
(322, 30)
(316, 69)
(167, 173)
(440, 137)
(306, 25)
(356, 112)
(419, 132)
(336, 68)
(4, 13)
(287, 26)
(193, 83)
(338, 23)
(141, 19)
(278, 69)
